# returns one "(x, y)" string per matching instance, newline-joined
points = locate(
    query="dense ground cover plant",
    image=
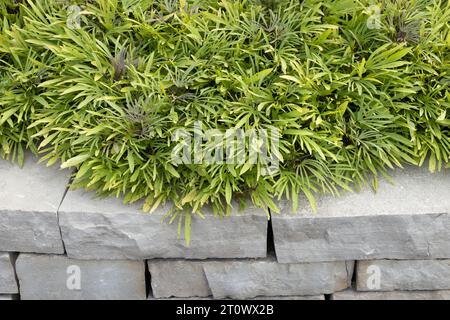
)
(12, 138)
(350, 99)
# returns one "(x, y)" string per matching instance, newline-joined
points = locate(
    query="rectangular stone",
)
(107, 229)
(391, 275)
(246, 279)
(351, 294)
(8, 282)
(319, 297)
(51, 277)
(29, 201)
(178, 278)
(9, 297)
(407, 220)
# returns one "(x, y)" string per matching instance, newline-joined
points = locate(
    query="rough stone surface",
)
(407, 220)
(8, 282)
(318, 297)
(107, 229)
(9, 297)
(249, 279)
(391, 295)
(403, 275)
(29, 200)
(46, 277)
(246, 279)
(178, 278)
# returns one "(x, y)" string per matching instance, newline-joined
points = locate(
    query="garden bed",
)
(243, 148)
(141, 99)
(111, 243)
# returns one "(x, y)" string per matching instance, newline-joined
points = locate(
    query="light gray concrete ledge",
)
(29, 200)
(95, 228)
(407, 220)
(54, 277)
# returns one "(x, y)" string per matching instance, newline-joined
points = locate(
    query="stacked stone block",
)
(29, 201)
(56, 277)
(107, 229)
(409, 219)
(62, 244)
(245, 279)
(8, 285)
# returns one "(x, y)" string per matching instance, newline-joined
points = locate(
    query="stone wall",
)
(59, 244)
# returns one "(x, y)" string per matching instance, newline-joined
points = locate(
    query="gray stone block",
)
(107, 229)
(8, 282)
(407, 220)
(319, 297)
(9, 297)
(51, 277)
(403, 275)
(247, 279)
(151, 298)
(29, 200)
(178, 278)
(351, 294)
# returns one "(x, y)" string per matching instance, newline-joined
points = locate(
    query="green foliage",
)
(350, 101)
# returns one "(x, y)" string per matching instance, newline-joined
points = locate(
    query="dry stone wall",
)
(60, 244)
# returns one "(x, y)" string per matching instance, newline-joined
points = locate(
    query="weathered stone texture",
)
(351, 294)
(407, 220)
(29, 200)
(318, 297)
(403, 275)
(246, 279)
(107, 229)
(8, 282)
(241, 280)
(50, 277)
(178, 278)
(9, 297)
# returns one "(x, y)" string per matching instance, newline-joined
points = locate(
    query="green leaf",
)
(75, 161)
(187, 229)
(131, 162)
(228, 192)
(7, 114)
